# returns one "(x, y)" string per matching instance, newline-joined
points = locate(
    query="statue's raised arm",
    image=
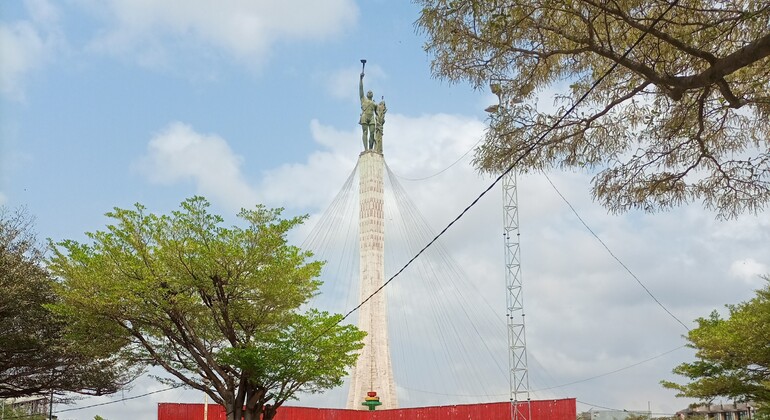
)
(361, 87)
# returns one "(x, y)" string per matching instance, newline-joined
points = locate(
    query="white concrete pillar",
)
(373, 370)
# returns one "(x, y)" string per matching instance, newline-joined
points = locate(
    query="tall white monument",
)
(373, 371)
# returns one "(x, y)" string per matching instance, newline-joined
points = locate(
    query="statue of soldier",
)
(380, 111)
(368, 109)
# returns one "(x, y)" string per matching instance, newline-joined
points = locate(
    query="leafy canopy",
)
(683, 117)
(216, 307)
(36, 356)
(733, 356)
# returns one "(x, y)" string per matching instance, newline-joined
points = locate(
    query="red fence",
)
(541, 410)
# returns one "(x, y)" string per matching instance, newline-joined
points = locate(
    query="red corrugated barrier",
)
(541, 410)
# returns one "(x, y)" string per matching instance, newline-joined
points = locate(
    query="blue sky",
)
(108, 103)
(86, 84)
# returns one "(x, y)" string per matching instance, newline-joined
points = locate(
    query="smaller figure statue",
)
(368, 109)
(380, 111)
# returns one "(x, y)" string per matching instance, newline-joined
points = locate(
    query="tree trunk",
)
(252, 412)
(229, 411)
(234, 407)
(233, 413)
(251, 399)
(228, 402)
(269, 412)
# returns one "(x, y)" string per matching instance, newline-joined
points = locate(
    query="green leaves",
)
(311, 355)
(215, 306)
(733, 356)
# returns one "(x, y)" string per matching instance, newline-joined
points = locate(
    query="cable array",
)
(339, 251)
(457, 323)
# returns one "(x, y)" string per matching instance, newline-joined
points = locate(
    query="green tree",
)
(683, 117)
(35, 355)
(216, 307)
(10, 413)
(733, 356)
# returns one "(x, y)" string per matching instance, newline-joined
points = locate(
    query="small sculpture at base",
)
(371, 400)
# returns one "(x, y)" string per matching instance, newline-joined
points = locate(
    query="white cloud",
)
(26, 45)
(42, 12)
(21, 50)
(245, 29)
(179, 153)
(3, 199)
(748, 270)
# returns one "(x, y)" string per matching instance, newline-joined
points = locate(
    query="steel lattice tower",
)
(517, 344)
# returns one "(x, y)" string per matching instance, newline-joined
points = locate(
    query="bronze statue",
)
(368, 109)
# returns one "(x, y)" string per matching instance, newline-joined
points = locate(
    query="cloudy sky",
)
(112, 102)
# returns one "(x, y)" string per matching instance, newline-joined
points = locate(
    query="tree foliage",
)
(683, 117)
(8, 412)
(216, 307)
(35, 355)
(733, 356)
